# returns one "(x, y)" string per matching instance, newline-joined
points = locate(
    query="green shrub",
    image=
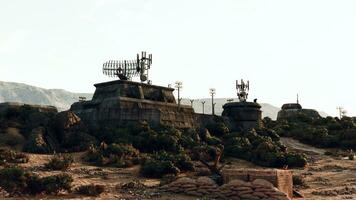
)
(115, 155)
(78, 141)
(90, 190)
(158, 168)
(57, 183)
(218, 129)
(18, 181)
(163, 163)
(13, 180)
(34, 184)
(296, 160)
(352, 157)
(60, 162)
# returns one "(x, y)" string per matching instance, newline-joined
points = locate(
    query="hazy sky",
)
(283, 47)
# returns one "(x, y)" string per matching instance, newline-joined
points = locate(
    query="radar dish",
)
(127, 69)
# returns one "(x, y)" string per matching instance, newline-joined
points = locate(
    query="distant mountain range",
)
(19, 92)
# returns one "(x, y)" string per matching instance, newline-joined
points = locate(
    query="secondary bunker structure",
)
(243, 115)
(121, 101)
(295, 110)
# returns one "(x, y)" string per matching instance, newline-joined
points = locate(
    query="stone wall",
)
(281, 179)
(234, 190)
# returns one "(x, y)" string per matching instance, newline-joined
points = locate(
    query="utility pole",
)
(191, 102)
(203, 102)
(342, 112)
(178, 86)
(212, 92)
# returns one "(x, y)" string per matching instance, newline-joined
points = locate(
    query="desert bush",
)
(77, 141)
(13, 180)
(17, 181)
(163, 163)
(298, 180)
(60, 162)
(115, 155)
(296, 160)
(10, 156)
(152, 168)
(218, 129)
(90, 190)
(352, 157)
(57, 183)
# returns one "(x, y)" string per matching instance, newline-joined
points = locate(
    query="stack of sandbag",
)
(235, 190)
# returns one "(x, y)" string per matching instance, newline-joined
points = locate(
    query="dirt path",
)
(295, 144)
(326, 177)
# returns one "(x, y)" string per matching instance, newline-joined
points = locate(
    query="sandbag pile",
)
(234, 190)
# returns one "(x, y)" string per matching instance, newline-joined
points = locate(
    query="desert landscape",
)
(326, 177)
(177, 99)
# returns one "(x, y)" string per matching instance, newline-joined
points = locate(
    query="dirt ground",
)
(326, 177)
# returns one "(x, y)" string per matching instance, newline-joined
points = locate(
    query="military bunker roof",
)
(290, 106)
(131, 83)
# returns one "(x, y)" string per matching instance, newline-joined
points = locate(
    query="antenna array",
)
(242, 90)
(127, 69)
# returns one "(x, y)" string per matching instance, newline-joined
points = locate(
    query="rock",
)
(36, 142)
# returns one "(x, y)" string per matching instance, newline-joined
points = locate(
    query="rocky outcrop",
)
(235, 190)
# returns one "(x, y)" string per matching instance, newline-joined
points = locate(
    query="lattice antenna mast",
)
(242, 90)
(127, 69)
(145, 63)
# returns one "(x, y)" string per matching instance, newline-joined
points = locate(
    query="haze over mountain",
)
(62, 99)
(19, 92)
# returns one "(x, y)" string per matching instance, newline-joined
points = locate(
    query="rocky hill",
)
(19, 92)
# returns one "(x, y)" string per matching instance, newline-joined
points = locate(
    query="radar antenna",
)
(242, 90)
(127, 69)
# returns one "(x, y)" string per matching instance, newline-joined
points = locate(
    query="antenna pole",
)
(191, 102)
(203, 102)
(212, 92)
(179, 85)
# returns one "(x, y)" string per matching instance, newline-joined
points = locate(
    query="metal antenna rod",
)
(191, 102)
(179, 86)
(203, 102)
(212, 92)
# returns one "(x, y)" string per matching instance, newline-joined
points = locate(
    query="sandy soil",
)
(324, 173)
(326, 177)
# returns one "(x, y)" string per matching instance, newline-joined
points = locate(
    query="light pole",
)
(203, 102)
(191, 102)
(212, 92)
(178, 86)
